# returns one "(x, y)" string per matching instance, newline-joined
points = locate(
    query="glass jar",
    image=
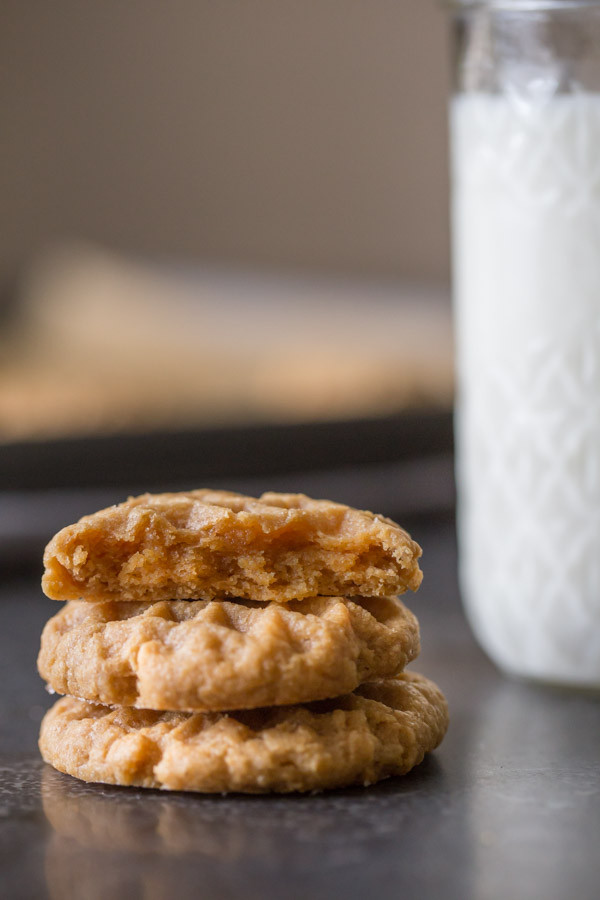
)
(525, 149)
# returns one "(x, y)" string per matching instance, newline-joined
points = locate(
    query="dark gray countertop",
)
(509, 806)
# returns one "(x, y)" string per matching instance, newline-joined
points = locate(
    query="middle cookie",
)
(220, 655)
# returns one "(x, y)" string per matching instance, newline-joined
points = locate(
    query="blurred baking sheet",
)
(94, 343)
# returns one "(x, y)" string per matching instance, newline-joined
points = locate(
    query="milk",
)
(526, 249)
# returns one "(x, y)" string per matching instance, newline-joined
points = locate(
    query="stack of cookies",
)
(214, 642)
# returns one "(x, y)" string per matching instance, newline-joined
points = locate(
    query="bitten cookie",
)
(384, 728)
(212, 544)
(220, 655)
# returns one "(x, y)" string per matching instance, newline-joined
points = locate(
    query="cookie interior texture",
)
(220, 655)
(206, 544)
(384, 728)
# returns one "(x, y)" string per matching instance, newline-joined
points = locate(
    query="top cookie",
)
(206, 544)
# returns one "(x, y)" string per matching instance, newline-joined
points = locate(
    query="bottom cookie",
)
(384, 728)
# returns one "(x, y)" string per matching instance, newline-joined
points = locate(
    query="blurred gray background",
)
(290, 133)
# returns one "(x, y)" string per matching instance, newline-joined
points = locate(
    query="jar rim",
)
(525, 5)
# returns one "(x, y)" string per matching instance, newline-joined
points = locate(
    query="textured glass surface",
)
(526, 235)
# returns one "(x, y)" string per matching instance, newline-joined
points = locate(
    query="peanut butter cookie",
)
(212, 544)
(220, 655)
(384, 728)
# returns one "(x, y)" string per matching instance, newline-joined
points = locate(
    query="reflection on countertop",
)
(121, 842)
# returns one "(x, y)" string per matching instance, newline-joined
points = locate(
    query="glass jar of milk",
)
(525, 147)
